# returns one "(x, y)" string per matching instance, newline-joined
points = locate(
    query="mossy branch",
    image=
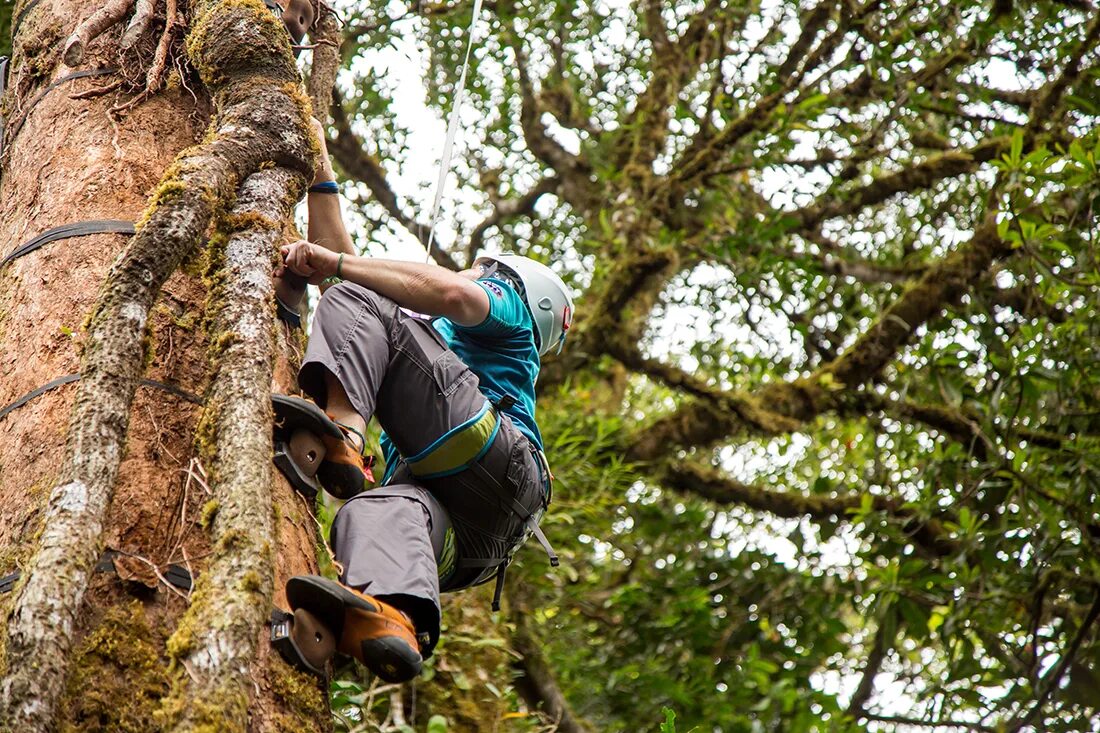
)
(790, 404)
(244, 57)
(216, 639)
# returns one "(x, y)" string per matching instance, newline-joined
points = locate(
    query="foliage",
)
(826, 431)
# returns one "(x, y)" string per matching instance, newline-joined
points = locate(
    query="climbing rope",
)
(452, 130)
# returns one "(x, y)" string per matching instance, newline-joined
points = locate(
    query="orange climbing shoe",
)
(374, 632)
(313, 450)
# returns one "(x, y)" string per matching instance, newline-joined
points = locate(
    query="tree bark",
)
(106, 635)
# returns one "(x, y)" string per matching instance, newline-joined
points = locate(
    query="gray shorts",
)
(406, 540)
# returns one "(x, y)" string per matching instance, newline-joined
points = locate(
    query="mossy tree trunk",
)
(103, 463)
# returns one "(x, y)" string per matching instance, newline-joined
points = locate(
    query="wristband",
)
(339, 263)
(325, 187)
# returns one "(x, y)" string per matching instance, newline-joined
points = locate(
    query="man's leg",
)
(393, 543)
(366, 356)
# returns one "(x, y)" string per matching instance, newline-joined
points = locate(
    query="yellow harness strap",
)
(458, 450)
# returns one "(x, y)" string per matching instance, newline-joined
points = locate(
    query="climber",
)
(466, 481)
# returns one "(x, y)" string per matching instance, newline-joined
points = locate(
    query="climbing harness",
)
(462, 449)
(452, 130)
(18, 125)
(66, 231)
(70, 378)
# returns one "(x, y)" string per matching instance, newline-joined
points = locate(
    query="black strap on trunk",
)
(22, 15)
(67, 231)
(69, 378)
(42, 94)
(177, 575)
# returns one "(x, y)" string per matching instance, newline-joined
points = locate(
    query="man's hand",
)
(324, 171)
(308, 260)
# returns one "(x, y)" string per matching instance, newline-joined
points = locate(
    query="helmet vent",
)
(546, 304)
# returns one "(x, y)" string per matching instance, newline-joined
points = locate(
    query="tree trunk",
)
(67, 161)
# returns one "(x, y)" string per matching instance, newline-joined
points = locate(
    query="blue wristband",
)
(325, 187)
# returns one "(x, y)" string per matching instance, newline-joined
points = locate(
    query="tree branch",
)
(350, 152)
(506, 209)
(782, 406)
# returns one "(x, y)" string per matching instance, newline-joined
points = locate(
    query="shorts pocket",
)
(449, 373)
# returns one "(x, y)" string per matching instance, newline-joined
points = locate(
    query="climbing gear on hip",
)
(313, 451)
(374, 632)
(458, 448)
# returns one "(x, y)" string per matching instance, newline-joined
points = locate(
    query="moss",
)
(300, 696)
(209, 512)
(237, 37)
(234, 539)
(117, 676)
(250, 220)
(251, 582)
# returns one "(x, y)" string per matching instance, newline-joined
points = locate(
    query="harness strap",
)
(460, 448)
(67, 231)
(22, 15)
(518, 509)
(69, 378)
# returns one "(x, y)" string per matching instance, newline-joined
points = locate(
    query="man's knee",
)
(346, 296)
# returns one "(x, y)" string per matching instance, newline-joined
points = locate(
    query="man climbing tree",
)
(824, 437)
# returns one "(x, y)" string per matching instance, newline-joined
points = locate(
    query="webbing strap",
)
(70, 378)
(177, 575)
(518, 509)
(19, 18)
(41, 95)
(65, 231)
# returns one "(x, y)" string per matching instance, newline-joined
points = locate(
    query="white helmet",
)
(546, 296)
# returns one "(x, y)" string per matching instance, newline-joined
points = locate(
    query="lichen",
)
(117, 675)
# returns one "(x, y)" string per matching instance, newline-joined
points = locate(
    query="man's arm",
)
(326, 225)
(428, 289)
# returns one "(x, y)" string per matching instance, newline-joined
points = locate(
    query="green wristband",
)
(339, 264)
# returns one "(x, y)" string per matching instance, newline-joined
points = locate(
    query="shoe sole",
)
(389, 657)
(294, 413)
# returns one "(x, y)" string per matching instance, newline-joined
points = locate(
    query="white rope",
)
(452, 130)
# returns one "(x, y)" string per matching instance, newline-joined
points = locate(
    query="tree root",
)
(158, 70)
(139, 24)
(92, 27)
(219, 632)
